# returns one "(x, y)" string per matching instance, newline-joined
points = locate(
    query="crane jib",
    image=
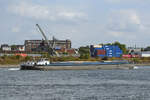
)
(50, 47)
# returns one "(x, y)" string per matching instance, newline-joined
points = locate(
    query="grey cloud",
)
(124, 21)
(129, 1)
(45, 12)
(83, 26)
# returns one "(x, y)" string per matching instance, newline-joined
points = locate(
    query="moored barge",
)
(46, 65)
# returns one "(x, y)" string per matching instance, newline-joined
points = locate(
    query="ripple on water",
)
(75, 85)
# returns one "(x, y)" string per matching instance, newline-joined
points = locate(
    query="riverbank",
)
(14, 61)
(103, 67)
(143, 64)
(9, 66)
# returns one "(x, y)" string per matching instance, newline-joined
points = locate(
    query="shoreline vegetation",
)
(14, 61)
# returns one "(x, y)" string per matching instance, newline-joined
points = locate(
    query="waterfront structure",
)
(133, 49)
(133, 52)
(17, 48)
(145, 54)
(67, 52)
(105, 51)
(41, 45)
(5, 47)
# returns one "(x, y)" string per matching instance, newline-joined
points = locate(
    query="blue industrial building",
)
(105, 51)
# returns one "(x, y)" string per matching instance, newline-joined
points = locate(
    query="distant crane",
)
(51, 47)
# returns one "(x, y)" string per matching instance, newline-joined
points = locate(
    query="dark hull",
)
(27, 67)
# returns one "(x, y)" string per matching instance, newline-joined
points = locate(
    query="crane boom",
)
(42, 33)
(50, 47)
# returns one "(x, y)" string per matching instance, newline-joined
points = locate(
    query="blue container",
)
(117, 55)
(112, 51)
(101, 55)
(57, 48)
(109, 55)
(109, 52)
(99, 48)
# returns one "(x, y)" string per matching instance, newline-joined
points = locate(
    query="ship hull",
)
(29, 67)
(77, 66)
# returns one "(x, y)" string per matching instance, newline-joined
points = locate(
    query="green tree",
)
(142, 49)
(18, 57)
(147, 48)
(108, 44)
(84, 52)
(13, 47)
(121, 46)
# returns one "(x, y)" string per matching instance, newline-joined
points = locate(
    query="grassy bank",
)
(15, 60)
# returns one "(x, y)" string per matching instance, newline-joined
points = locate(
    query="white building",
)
(5, 47)
(145, 54)
(133, 49)
(20, 47)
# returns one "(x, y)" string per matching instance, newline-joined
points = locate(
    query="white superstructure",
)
(43, 61)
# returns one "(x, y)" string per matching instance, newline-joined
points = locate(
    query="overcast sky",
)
(84, 22)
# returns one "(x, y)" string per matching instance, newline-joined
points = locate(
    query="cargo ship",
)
(44, 64)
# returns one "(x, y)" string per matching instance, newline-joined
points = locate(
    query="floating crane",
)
(51, 47)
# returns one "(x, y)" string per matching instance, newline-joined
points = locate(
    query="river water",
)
(75, 85)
